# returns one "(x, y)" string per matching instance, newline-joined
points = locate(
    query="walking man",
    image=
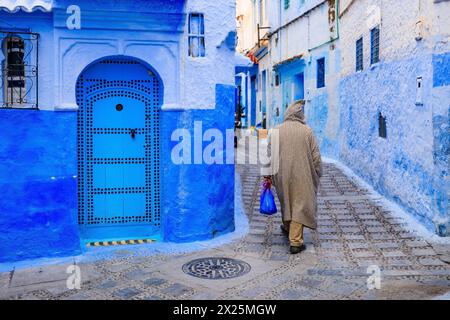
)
(295, 169)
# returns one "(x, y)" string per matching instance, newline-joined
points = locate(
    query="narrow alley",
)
(357, 237)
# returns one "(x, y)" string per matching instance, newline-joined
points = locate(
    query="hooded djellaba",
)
(297, 169)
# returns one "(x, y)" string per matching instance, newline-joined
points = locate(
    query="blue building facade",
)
(91, 95)
(394, 104)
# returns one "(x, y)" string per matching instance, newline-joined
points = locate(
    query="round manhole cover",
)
(216, 268)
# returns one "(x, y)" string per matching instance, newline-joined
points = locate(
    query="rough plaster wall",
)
(401, 166)
(38, 206)
(200, 75)
(440, 29)
(406, 165)
(397, 20)
(322, 105)
(441, 145)
(198, 199)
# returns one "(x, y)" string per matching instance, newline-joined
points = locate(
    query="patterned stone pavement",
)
(355, 233)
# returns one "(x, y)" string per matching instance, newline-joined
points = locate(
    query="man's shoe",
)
(284, 230)
(296, 250)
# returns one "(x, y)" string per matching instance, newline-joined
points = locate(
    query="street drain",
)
(216, 268)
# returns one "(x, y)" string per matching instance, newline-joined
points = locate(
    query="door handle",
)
(133, 133)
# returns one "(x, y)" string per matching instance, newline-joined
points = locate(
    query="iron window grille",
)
(374, 45)
(19, 65)
(321, 73)
(359, 55)
(196, 35)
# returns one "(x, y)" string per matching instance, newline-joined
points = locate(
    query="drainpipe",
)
(337, 30)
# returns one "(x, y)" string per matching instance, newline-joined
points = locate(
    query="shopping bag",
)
(267, 204)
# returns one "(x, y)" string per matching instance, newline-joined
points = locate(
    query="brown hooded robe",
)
(297, 170)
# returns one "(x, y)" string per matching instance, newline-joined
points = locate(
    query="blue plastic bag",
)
(267, 204)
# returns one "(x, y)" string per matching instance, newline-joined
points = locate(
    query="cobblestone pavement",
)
(354, 232)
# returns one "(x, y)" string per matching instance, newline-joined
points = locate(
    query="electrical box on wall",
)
(419, 91)
(307, 94)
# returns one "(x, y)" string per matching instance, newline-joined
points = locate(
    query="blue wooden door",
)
(119, 150)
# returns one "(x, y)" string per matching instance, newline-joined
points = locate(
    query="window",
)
(321, 73)
(19, 70)
(286, 4)
(196, 35)
(359, 55)
(277, 80)
(382, 126)
(374, 45)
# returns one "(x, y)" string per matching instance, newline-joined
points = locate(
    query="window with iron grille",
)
(374, 45)
(321, 73)
(196, 35)
(19, 84)
(286, 4)
(359, 55)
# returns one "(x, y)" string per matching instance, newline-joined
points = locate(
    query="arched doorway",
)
(119, 101)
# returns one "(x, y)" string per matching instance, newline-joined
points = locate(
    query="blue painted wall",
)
(38, 209)
(39, 189)
(405, 166)
(197, 199)
(441, 69)
(441, 139)
(38, 149)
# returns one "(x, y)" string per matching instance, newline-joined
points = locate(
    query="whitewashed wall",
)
(200, 75)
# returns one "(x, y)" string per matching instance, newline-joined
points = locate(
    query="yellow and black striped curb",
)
(118, 243)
